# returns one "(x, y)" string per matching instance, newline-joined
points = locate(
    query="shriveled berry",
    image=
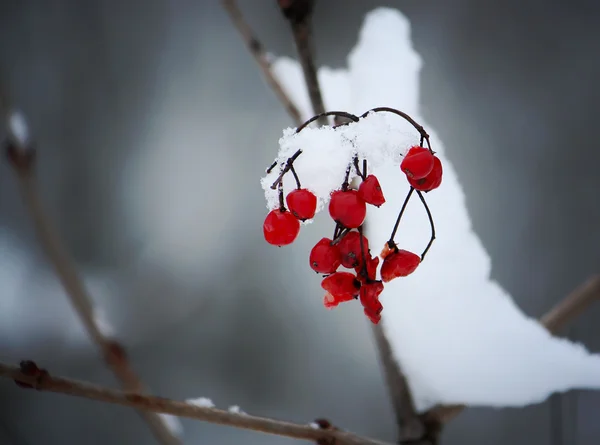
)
(371, 271)
(324, 257)
(432, 181)
(369, 298)
(417, 163)
(370, 191)
(347, 208)
(343, 286)
(280, 227)
(350, 249)
(373, 316)
(399, 264)
(302, 203)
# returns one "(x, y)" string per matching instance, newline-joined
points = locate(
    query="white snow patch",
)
(235, 409)
(458, 335)
(201, 402)
(18, 128)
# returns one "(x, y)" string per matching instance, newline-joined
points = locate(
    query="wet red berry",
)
(374, 316)
(340, 287)
(399, 264)
(369, 298)
(370, 191)
(347, 208)
(350, 249)
(417, 163)
(371, 272)
(324, 257)
(430, 182)
(302, 203)
(280, 227)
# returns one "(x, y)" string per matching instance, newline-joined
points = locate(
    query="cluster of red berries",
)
(349, 248)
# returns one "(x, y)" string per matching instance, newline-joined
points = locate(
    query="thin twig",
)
(567, 310)
(42, 381)
(299, 14)
(258, 52)
(22, 160)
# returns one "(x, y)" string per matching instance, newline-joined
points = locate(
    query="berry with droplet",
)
(302, 203)
(347, 208)
(371, 271)
(350, 249)
(340, 287)
(400, 263)
(370, 191)
(280, 227)
(432, 181)
(324, 257)
(417, 163)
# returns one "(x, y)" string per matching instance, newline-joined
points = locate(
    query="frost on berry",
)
(302, 203)
(417, 163)
(280, 227)
(347, 208)
(340, 287)
(370, 191)
(325, 257)
(430, 182)
(400, 263)
(351, 250)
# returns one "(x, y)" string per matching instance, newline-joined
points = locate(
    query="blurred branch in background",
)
(567, 310)
(28, 375)
(21, 156)
(258, 52)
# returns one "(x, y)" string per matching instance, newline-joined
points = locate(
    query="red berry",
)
(432, 180)
(417, 163)
(302, 203)
(370, 191)
(340, 287)
(400, 263)
(347, 208)
(373, 316)
(280, 227)
(324, 257)
(371, 272)
(369, 298)
(350, 249)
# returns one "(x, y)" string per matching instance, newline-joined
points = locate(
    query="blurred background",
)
(154, 126)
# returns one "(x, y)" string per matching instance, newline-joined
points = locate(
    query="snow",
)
(201, 402)
(18, 129)
(235, 409)
(459, 337)
(173, 424)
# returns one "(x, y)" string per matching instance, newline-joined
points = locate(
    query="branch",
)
(30, 376)
(573, 305)
(22, 159)
(299, 14)
(259, 54)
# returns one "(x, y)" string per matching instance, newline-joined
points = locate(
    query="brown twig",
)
(41, 380)
(22, 159)
(259, 54)
(299, 14)
(573, 305)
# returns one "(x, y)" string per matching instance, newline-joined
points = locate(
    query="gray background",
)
(204, 305)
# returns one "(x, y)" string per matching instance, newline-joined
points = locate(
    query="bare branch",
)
(258, 52)
(299, 14)
(22, 159)
(29, 375)
(567, 310)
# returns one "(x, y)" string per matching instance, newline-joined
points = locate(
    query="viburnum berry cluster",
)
(348, 248)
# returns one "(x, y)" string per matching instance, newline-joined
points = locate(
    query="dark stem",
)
(284, 170)
(391, 242)
(365, 168)
(422, 198)
(346, 182)
(281, 201)
(350, 116)
(293, 170)
(341, 234)
(363, 255)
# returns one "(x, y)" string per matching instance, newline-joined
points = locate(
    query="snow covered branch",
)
(28, 375)
(21, 156)
(258, 52)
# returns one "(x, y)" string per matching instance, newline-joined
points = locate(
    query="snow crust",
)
(458, 336)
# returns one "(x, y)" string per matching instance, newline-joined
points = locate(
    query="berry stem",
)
(363, 255)
(341, 233)
(391, 241)
(360, 173)
(281, 200)
(402, 114)
(288, 165)
(329, 113)
(293, 170)
(271, 167)
(422, 198)
(364, 170)
(346, 182)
